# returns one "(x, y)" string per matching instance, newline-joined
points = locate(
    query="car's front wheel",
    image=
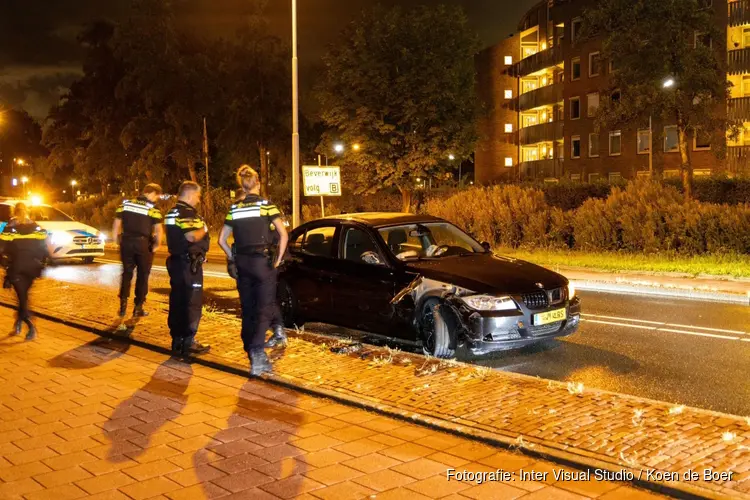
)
(288, 305)
(88, 260)
(437, 334)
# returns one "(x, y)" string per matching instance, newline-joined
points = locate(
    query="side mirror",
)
(371, 258)
(487, 246)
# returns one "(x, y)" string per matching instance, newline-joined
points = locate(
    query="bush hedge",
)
(644, 216)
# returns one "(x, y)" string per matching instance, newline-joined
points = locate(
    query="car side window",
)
(359, 247)
(295, 244)
(319, 241)
(4, 213)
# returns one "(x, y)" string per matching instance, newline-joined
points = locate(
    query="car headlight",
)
(61, 238)
(571, 290)
(490, 303)
(102, 237)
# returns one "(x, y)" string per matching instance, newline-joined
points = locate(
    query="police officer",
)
(250, 222)
(139, 231)
(24, 244)
(188, 243)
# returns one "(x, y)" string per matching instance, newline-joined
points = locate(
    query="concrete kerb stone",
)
(686, 294)
(532, 446)
(580, 460)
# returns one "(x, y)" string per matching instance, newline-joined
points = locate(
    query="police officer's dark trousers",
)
(185, 298)
(22, 280)
(136, 255)
(257, 287)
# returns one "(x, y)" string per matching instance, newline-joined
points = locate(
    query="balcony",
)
(738, 159)
(739, 13)
(739, 61)
(542, 59)
(542, 96)
(544, 132)
(739, 109)
(542, 169)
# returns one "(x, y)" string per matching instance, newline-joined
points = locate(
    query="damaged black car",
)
(420, 279)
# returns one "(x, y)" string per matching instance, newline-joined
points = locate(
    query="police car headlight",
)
(102, 237)
(490, 303)
(61, 238)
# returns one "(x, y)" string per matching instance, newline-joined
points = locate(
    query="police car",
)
(67, 238)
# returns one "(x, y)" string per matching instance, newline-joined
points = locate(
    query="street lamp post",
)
(667, 84)
(295, 122)
(24, 180)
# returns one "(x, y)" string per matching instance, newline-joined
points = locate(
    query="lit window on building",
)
(508, 60)
(575, 68)
(575, 108)
(529, 84)
(509, 94)
(595, 64)
(575, 28)
(643, 142)
(592, 101)
(575, 147)
(593, 145)
(746, 86)
(671, 139)
(746, 38)
(615, 176)
(508, 128)
(702, 140)
(615, 143)
(575, 177)
(508, 161)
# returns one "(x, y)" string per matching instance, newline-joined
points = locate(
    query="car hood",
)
(76, 228)
(488, 273)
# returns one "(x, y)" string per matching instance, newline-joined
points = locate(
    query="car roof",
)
(382, 219)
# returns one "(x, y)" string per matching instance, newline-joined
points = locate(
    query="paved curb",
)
(547, 451)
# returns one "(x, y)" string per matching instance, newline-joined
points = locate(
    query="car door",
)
(309, 270)
(363, 287)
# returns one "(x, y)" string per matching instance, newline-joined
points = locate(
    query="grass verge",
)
(737, 266)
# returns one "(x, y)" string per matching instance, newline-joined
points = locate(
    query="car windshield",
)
(48, 214)
(429, 240)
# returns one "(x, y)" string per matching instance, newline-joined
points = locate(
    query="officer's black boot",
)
(31, 334)
(17, 327)
(138, 312)
(278, 338)
(194, 347)
(178, 347)
(123, 308)
(259, 363)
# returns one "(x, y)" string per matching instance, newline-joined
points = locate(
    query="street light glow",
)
(73, 183)
(668, 83)
(356, 147)
(451, 157)
(20, 161)
(24, 179)
(339, 148)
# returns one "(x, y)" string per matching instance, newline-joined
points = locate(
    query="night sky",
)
(39, 56)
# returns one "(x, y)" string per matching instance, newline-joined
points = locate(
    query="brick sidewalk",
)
(86, 417)
(567, 422)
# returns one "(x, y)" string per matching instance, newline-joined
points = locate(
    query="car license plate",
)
(550, 317)
(86, 247)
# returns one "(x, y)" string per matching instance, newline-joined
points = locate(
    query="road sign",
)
(322, 181)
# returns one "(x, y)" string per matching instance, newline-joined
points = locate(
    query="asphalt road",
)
(676, 350)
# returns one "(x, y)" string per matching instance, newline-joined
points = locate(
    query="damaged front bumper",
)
(487, 332)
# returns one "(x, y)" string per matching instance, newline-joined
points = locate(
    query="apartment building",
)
(542, 91)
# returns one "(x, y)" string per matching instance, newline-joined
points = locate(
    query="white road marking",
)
(672, 325)
(212, 274)
(668, 330)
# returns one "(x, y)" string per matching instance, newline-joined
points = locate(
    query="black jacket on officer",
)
(24, 246)
(138, 220)
(185, 271)
(252, 223)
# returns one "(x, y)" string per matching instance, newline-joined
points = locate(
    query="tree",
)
(401, 84)
(650, 42)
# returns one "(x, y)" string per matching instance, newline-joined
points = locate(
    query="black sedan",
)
(420, 279)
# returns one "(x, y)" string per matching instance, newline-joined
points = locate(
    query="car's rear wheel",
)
(88, 260)
(289, 308)
(437, 334)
